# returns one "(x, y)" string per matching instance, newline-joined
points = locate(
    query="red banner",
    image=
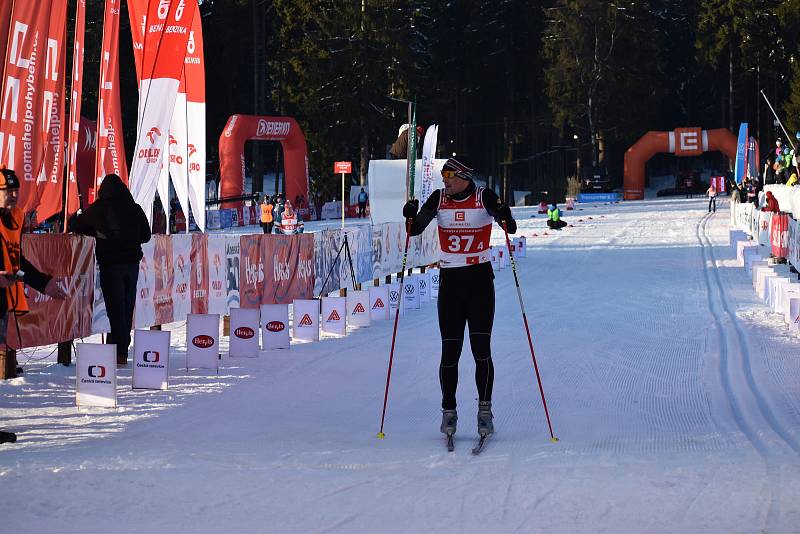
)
(70, 259)
(275, 269)
(199, 282)
(779, 234)
(164, 278)
(72, 200)
(137, 13)
(23, 98)
(50, 183)
(110, 155)
(5, 24)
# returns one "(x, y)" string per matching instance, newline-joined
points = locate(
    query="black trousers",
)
(118, 283)
(267, 227)
(362, 209)
(466, 297)
(712, 203)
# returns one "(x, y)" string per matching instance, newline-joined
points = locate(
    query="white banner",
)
(423, 284)
(334, 315)
(145, 312)
(232, 261)
(410, 293)
(434, 283)
(244, 329)
(358, 310)
(428, 156)
(181, 260)
(217, 275)
(394, 297)
(96, 375)
(151, 359)
(794, 243)
(202, 341)
(275, 326)
(305, 319)
(379, 303)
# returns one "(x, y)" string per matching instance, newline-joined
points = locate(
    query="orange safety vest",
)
(266, 213)
(12, 252)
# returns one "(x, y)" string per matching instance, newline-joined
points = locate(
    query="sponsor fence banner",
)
(251, 272)
(779, 235)
(232, 261)
(764, 218)
(379, 303)
(334, 315)
(326, 247)
(200, 274)
(305, 319)
(289, 267)
(244, 333)
(275, 326)
(410, 293)
(151, 359)
(217, 275)
(100, 322)
(434, 282)
(145, 311)
(70, 260)
(181, 259)
(794, 243)
(358, 309)
(96, 375)
(202, 341)
(213, 220)
(164, 279)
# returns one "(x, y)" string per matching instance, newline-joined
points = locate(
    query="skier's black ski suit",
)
(466, 297)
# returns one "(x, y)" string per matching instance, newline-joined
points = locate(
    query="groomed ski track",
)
(674, 392)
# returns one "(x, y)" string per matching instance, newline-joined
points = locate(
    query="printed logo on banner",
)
(358, 309)
(422, 284)
(275, 326)
(151, 356)
(393, 296)
(97, 371)
(334, 316)
(203, 341)
(409, 289)
(244, 332)
(306, 321)
(435, 279)
(378, 304)
(265, 128)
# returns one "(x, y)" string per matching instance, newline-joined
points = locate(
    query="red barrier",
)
(779, 235)
(275, 269)
(70, 259)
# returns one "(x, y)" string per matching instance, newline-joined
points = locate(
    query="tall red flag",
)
(110, 157)
(73, 203)
(5, 22)
(50, 183)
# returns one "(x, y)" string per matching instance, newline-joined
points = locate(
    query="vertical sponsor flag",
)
(167, 32)
(50, 181)
(428, 155)
(741, 154)
(110, 155)
(195, 156)
(72, 202)
(5, 24)
(23, 98)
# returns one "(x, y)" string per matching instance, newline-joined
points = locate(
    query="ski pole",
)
(789, 139)
(528, 331)
(381, 435)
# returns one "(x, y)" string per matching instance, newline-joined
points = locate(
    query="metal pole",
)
(789, 139)
(342, 200)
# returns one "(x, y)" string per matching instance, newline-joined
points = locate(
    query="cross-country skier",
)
(464, 214)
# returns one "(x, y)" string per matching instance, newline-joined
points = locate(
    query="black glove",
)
(503, 212)
(410, 209)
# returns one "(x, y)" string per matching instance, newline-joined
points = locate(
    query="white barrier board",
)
(434, 283)
(305, 319)
(96, 375)
(424, 287)
(334, 315)
(151, 359)
(244, 333)
(202, 341)
(379, 303)
(275, 326)
(358, 310)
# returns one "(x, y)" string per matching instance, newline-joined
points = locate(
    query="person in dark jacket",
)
(15, 271)
(120, 226)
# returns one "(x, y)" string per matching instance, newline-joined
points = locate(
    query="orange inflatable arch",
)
(681, 142)
(243, 128)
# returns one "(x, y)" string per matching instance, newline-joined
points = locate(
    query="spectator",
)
(16, 272)
(399, 149)
(554, 221)
(289, 222)
(736, 194)
(771, 203)
(792, 179)
(120, 226)
(712, 198)
(770, 177)
(266, 215)
(318, 203)
(750, 191)
(362, 203)
(277, 210)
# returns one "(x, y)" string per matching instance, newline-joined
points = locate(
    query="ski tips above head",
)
(381, 435)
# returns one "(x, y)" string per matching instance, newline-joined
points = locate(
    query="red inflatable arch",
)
(243, 128)
(681, 142)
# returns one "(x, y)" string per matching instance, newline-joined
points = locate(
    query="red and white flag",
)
(22, 112)
(73, 204)
(51, 175)
(110, 156)
(167, 32)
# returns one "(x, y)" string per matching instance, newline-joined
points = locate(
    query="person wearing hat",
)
(399, 148)
(464, 214)
(15, 272)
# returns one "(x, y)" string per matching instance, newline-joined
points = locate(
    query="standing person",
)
(277, 210)
(362, 203)
(266, 215)
(712, 198)
(15, 272)
(120, 226)
(464, 214)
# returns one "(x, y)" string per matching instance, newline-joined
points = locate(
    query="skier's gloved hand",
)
(411, 208)
(503, 212)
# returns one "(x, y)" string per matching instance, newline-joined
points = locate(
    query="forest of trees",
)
(518, 87)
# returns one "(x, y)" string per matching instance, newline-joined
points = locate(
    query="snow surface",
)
(674, 392)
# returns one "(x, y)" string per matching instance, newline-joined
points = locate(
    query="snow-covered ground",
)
(674, 392)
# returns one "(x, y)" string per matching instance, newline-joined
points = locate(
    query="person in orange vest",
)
(266, 215)
(16, 271)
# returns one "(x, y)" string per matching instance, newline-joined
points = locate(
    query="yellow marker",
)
(381, 435)
(554, 439)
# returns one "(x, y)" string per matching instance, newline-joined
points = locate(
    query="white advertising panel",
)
(217, 275)
(151, 359)
(411, 292)
(305, 319)
(424, 287)
(358, 310)
(145, 312)
(181, 261)
(394, 297)
(379, 303)
(96, 375)
(244, 333)
(434, 283)
(495, 258)
(275, 326)
(202, 341)
(334, 315)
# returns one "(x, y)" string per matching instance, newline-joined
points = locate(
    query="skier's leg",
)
(452, 320)
(481, 319)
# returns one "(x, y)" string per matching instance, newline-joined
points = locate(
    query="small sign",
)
(150, 359)
(96, 375)
(244, 328)
(342, 167)
(202, 341)
(275, 326)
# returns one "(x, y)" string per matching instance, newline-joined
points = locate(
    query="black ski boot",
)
(485, 423)
(7, 437)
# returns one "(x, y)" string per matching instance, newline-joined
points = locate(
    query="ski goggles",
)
(449, 173)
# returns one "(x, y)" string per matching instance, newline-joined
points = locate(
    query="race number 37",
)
(460, 243)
